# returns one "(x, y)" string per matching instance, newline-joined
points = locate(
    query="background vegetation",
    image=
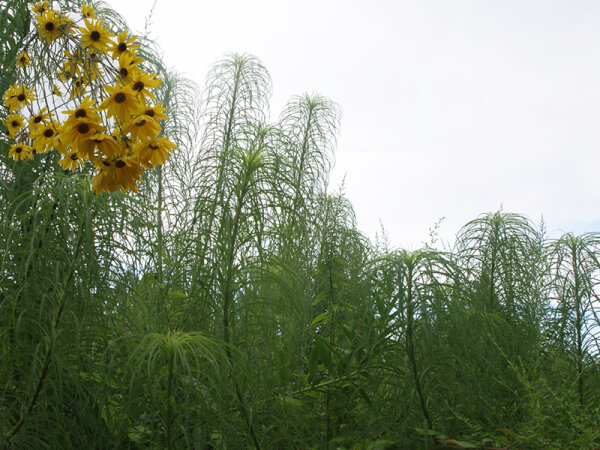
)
(233, 303)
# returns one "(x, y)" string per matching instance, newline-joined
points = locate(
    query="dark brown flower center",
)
(83, 128)
(141, 123)
(74, 156)
(37, 119)
(95, 35)
(23, 59)
(150, 113)
(21, 97)
(18, 149)
(49, 26)
(120, 97)
(154, 147)
(80, 113)
(123, 71)
(122, 47)
(106, 163)
(138, 86)
(120, 164)
(48, 132)
(15, 124)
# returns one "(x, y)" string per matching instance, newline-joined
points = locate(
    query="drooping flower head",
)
(88, 11)
(154, 152)
(142, 128)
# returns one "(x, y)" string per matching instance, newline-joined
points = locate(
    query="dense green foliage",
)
(232, 303)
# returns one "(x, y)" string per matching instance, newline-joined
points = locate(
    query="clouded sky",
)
(450, 108)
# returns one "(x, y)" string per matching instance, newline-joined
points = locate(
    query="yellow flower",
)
(95, 36)
(106, 144)
(40, 8)
(70, 161)
(120, 174)
(23, 60)
(84, 111)
(56, 90)
(20, 151)
(121, 102)
(41, 118)
(153, 152)
(67, 23)
(49, 25)
(156, 112)
(14, 123)
(78, 88)
(88, 11)
(18, 96)
(74, 133)
(142, 128)
(71, 66)
(123, 45)
(44, 138)
(142, 81)
(128, 67)
(60, 145)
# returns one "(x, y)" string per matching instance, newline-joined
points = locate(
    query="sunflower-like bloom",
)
(142, 128)
(23, 60)
(106, 144)
(14, 123)
(95, 36)
(121, 102)
(124, 45)
(123, 173)
(18, 96)
(153, 152)
(67, 23)
(75, 133)
(50, 25)
(56, 90)
(88, 11)
(86, 110)
(156, 111)
(20, 151)
(71, 66)
(70, 161)
(142, 81)
(41, 118)
(128, 68)
(44, 138)
(78, 88)
(40, 8)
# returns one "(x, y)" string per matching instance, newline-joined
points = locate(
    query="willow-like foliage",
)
(575, 295)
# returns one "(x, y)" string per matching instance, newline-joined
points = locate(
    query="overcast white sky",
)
(450, 108)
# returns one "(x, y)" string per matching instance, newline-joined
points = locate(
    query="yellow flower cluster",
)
(109, 118)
